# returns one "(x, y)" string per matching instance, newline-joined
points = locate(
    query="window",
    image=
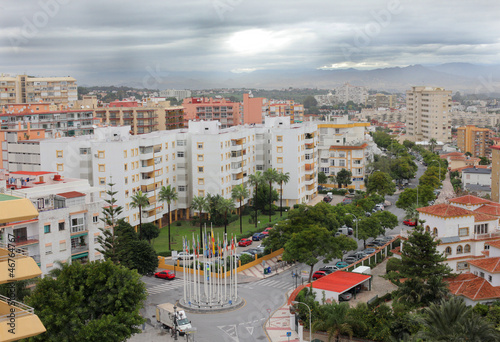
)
(279, 160)
(201, 181)
(102, 180)
(486, 246)
(77, 225)
(126, 180)
(85, 150)
(59, 154)
(126, 193)
(447, 251)
(95, 219)
(462, 266)
(100, 154)
(48, 249)
(481, 274)
(200, 157)
(481, 228)
(166, 145)
(279, 138)
(200, 169)
(279, 149)
(201, 193)
(341, 162)
(180, 154)
(467, 249)
(280, 170)
(463, 231)
(102, 168)
(61, 226)
(46, 228)
(324, 160)
(60, 167)
(182, 188)
(200, 146)
(125, 167)
(459, 249)
(62, 246)
(490, 278)
(124, 153)
(435, 232)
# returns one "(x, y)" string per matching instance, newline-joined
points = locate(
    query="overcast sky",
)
(88, 38)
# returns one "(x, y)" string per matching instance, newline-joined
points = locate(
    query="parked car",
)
(359, 255)
(346, 296)
(350, 260)
(258, 236)
(332, 268)
(368, 214)
(369, 250)
(327, 199)
(268, 229)
(410, 222)
(252, 251)
(244, 242)
(356, 289)
(165, 275)
(379, 206)
(260, 249)
(266, 233)
(319, 274)
(183, 256)
(374, 244)
(347, 200)
(341, 264)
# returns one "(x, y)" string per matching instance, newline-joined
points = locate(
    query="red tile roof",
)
(71, 194)
(480, 217)
(489, 209)
(472, 287)
(340, 281)
(491, 265)
(495, 147)
(445, 210)
(469, 199)
(495, 243)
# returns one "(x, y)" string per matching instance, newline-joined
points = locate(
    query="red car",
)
(410, 223)
(319, 274)
(245, 242)
(165, 275)
(268, 229)
(266, 232)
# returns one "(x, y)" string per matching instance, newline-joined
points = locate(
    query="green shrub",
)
(245, 259)
(165, 253)
(295, 206)
(393, 264)
(178, 223)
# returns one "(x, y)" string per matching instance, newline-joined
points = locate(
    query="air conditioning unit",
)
(96, 155)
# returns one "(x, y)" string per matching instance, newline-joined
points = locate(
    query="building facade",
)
(202, 108)
(344, 145)
(474, 140)
(495, 173)
(347, 92)
(295, 111)
(29, 89)
(428, 114)
(67, 225)
(255, 109)
(179, 94)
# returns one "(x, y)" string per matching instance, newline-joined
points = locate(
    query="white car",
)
(183, 256)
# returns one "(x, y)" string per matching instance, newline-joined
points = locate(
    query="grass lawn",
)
(160, 244)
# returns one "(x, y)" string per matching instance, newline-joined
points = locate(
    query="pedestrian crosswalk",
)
(169, 285)
(269, 282)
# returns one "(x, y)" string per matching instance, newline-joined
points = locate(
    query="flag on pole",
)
(213, 243)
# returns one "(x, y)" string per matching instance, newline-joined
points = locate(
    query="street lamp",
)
(310, 314)
(356, 225)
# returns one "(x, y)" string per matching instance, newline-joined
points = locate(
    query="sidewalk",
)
(257, 271)
(278, 325)
(447, 191)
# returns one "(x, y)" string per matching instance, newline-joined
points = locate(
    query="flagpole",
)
(184, 267)
(235, 279)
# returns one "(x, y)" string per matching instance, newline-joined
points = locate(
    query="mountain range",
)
(463, 77)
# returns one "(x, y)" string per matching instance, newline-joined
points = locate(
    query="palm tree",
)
(200, 204)
(255, 180)
(280, 179)
(411, 212)
(239, 193)
(453, 320)
(168, 194)
(270, 176)
(139, 200)
(433, 143)
(336, 321)
(224, 206)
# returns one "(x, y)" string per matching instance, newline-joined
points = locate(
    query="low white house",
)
(477, 176)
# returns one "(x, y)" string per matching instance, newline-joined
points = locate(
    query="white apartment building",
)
(345, 145)
(68, 223)
(347, 92)
(199, 160)
(290, 148)
(428, 114)
(29, 89)
(179, 94)
(465, 227)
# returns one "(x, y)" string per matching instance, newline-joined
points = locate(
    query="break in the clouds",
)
(89, 38)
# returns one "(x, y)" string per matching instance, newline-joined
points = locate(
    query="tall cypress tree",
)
(107, 239)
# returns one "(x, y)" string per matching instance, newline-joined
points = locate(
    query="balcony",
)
(147, 168)
(24, 266)
(486, 236)
(27, 240)
(27, 324)
(146, 180)
(79, 249)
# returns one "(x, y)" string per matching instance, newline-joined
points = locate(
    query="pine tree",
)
(108, 238)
